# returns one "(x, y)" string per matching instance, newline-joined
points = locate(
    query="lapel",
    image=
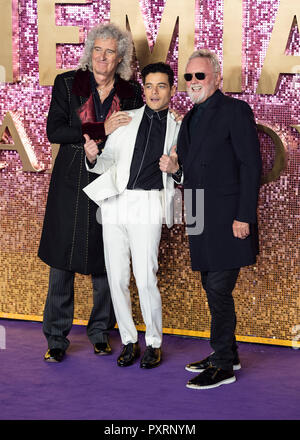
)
(130, 133)
(170, 140)
(128, 137)
(206, 125)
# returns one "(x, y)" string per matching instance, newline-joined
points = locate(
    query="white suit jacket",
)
(115, 160)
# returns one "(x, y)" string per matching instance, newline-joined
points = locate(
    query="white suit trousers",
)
(132, 224)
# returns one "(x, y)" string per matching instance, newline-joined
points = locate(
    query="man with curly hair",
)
(88, 101)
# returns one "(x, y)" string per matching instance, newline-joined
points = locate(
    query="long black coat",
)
(71, 237)
(223, 158)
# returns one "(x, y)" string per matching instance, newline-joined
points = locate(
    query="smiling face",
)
(105, 57)
(201, 89)
(158, 91)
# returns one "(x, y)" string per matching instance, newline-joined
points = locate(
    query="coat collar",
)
(214, 101)
(211, 102)
(82, 85)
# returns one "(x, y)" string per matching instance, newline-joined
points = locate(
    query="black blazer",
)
(71, 238)
(223, 159)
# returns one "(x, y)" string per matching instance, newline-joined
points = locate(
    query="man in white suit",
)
(136, 195)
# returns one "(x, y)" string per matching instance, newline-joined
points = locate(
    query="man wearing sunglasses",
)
(219, 153)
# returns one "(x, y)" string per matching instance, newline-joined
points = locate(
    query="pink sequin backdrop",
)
(267, 295)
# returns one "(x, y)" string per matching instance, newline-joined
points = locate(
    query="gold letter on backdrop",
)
(21, 144)
(9, 29)
(232, 45)
(297, 127)
(280, 154)
(50, 35)
(121, 10)
(276, 61)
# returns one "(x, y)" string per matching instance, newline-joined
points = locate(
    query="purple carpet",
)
(88, 387)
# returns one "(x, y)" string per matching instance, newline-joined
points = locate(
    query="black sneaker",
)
(212, 377)
(198, 367)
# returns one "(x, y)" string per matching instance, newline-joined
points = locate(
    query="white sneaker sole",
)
(193, 370)
(207, 387)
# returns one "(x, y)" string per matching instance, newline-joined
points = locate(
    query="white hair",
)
(211, 56)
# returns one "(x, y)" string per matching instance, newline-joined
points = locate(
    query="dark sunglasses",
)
(198, 75)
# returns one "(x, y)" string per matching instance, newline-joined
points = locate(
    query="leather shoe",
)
(102, 348)
(151, 357)
(128, 355)
(54, 355)
(200, 366)
(211, 377)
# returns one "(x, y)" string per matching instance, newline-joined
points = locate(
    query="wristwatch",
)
(177, 176)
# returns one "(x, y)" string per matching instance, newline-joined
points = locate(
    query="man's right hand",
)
(90, 148)
(116, 120)
(169, 164)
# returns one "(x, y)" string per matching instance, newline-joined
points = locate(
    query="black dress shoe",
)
(102, 348)
(198, 367)
(128, 355)
(54, 355)
(212, 377)
(151, 357)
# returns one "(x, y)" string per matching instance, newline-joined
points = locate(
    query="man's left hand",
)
(240, 229)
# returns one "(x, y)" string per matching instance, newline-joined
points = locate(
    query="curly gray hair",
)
(124, 47)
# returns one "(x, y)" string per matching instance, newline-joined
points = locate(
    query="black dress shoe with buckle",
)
(102, 348)
(151, 357)
(198, 367)
(128, 355)
(54, 355)
(211, 377)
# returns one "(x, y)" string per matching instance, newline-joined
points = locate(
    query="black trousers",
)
(219, 287)
(59, 309)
